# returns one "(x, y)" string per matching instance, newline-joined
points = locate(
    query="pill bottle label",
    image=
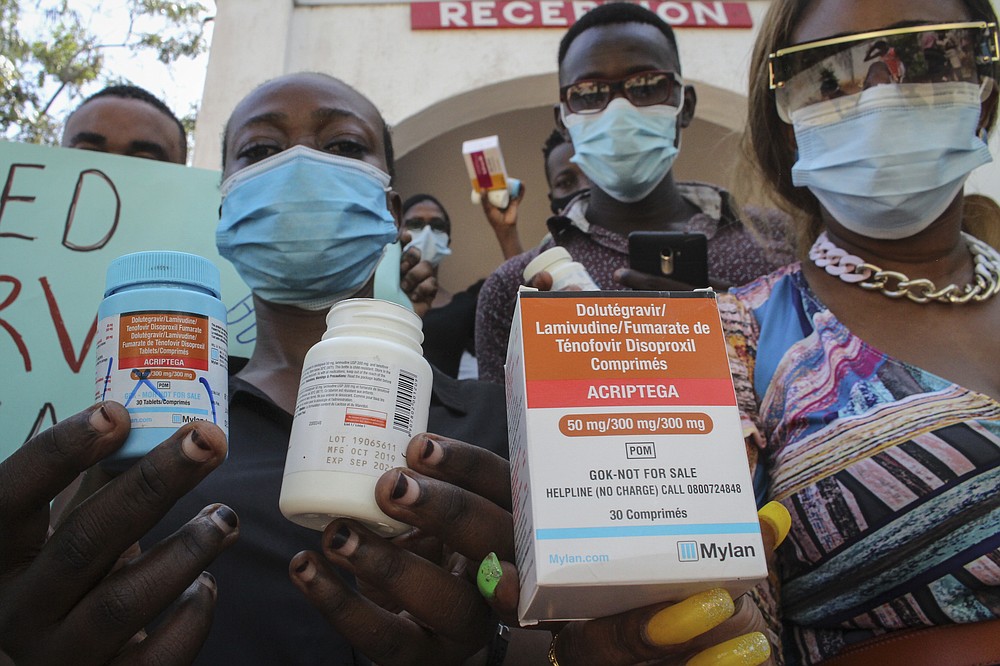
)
(168, 368)
(355, 414)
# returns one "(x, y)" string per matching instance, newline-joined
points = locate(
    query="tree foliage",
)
(62, 55)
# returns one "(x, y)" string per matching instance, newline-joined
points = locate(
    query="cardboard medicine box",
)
(484, 164)
(628, 466)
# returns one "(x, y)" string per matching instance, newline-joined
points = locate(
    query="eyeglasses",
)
(418, 223)
(642, 89)
(817, 71)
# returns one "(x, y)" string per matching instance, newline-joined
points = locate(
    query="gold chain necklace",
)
(855, 270)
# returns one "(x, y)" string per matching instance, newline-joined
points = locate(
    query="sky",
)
(179, 85)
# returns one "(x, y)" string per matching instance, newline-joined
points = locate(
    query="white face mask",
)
(433, 244)
(888, 161)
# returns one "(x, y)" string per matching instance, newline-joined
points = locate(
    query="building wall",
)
(440, 87)
(412, 75)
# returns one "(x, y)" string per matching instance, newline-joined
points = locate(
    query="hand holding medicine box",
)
(628, 467)
(484, 163)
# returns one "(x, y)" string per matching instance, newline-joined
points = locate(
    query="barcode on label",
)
(405, 394)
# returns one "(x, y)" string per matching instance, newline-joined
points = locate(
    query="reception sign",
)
(563, 13)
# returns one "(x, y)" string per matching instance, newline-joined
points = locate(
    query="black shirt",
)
(451, 329)
(260, 616)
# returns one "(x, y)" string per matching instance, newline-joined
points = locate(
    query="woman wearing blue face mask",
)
(307, 211)
(450, 323)
(868, 372)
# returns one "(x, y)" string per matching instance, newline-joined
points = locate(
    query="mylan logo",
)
(692, 551)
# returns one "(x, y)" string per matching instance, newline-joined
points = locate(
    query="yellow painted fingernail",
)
(689, 618)
(776, 515)
(747, 650)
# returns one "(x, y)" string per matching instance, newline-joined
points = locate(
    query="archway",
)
(429, 145)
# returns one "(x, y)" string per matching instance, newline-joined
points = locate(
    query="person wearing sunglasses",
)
(868, 372)
(623, 105)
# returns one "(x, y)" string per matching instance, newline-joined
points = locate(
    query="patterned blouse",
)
(890, 474)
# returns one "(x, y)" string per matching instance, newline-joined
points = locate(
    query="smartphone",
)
(678, 255)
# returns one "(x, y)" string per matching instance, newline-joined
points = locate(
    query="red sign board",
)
(563, 13)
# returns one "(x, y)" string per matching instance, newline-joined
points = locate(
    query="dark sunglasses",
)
(641, 89)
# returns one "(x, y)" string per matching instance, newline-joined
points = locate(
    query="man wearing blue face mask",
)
(449, 324)
(307, 211)
(623, 104)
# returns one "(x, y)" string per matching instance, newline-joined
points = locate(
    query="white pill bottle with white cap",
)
(364, 393)
(565, 272)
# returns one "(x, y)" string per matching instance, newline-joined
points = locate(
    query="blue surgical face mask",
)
(888, 161)
(304, 227)
(625, 150)
(433, 244)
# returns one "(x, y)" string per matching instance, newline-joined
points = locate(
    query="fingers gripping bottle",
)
(565, 272)
(365, 391)
(162, 347)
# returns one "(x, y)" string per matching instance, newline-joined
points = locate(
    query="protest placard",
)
(64, 215)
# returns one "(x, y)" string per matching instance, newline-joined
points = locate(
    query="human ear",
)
(690, 102)
(394, 204)
(557, 115)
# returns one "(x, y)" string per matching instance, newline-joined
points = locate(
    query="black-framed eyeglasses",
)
(641, 89)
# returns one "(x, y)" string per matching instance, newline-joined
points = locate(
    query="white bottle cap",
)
(545, 261)
(499, 198)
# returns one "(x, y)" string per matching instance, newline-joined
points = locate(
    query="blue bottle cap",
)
(163, 266)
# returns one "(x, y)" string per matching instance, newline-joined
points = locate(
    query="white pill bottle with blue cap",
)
(162, 347)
